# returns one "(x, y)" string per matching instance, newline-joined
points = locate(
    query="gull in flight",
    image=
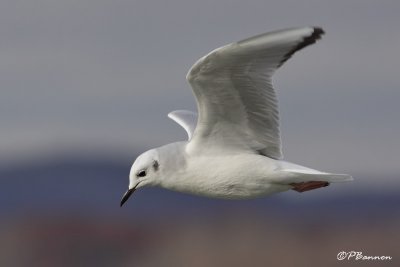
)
(234, 148)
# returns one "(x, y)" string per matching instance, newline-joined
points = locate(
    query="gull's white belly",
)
(231, 177)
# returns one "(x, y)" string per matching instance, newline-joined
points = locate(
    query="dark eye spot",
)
(142, 173)
(155, 165)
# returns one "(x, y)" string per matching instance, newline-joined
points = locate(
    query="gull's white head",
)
(144, 171)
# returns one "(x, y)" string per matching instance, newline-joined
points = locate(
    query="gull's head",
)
(144, 171)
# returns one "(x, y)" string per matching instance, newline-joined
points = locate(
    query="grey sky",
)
(94, 73)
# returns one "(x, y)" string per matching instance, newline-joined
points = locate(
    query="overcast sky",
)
(103, 74)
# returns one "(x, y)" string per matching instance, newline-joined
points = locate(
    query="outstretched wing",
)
(185, 118)
(237, 104)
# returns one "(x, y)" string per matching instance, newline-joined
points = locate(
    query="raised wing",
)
(237, 104)
(185, 118)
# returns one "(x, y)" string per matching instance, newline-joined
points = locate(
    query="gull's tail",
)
(298, 174)
(299, 177)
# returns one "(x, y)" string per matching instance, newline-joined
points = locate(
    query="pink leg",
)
(307, 186)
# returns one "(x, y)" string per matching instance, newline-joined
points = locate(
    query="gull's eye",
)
(142, 173)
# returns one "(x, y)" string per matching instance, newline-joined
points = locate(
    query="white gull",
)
(234, 146)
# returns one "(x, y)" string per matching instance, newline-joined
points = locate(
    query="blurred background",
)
(86, 86)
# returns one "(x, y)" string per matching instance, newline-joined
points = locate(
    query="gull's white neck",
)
(173, 162)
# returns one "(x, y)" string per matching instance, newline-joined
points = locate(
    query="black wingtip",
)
(309, 40)
(318, 31)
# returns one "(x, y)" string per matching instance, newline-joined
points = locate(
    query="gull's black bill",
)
(127, 195)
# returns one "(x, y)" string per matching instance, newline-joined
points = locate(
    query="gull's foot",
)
(307, 186)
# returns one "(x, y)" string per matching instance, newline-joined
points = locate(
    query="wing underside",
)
(237, 104)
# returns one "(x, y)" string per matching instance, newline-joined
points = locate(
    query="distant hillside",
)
(92, 185)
